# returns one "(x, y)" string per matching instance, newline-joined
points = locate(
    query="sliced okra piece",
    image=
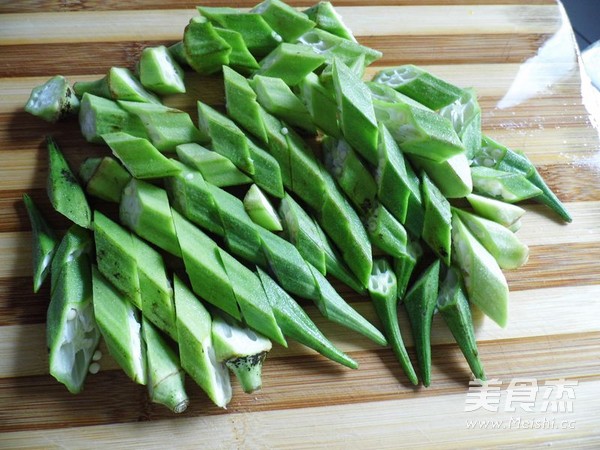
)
(226, 138)
(120, 325)
(65, 193)
(242, 105)
(166, 127)
(72, 334)
(278, 99)
(385, 232)
(503, 244)
(506, 186)
(241, 349)
(383, 290)
(267, 172)
(418, 130)
(256, 309)
(290, 62)
(356, 113)
(118, 84)
(189, 194)
(260, 209)
(454, 308)
(404, 266)
(351, 174)
(321, 105)
(277, 145)
(499, 157)
(437, 224)
(259, 37)
(196, 350)
(326, 18)
(420, 304)
(420, 85)
(296, 324)
(164, 372)
(104, 178)
(98, 116)
(333, 47)
(452, 176)
(484, 281)
(240, 57)
(356, 66)
(501, 212)
(160, 72)
(76, 241)
(288, 22)
(204, 267)
(204, 49)
(43, 243)
(139, 156)
(53, 100)
(145, 209)
(465, 115)
(177, 51)
(214, 167)
(155, 289)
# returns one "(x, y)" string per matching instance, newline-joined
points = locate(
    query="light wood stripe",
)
(65, 27)
(554, 316)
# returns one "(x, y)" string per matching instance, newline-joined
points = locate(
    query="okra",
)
(501, 212)
(295, 323)
(285, 20)
(356, 113)
(177, 51)
(215, 168)
(260, 209)
(420, 304)
(139, 156)
(98, 116)
(290, 62)
(438, 217)
(43, 243)
(118, 84)
(242, 350)
(53, 100)
(71, 331)
(104, 178)
(503, 244)
(204, 49)
(259, 37)
(267, 172)
(454, 308)
(506, 186)
(465, 115)
(196, 350)
(420, 85)
(165, 376)
(145, 209)
(452, 176)
(65, 193)
(240, 57)
(383, 289)
(321, 105)
(326, 18)
(120, 325)
(385, 232)
(484, 281)
(76, 241)
(166, 127)
(404, 266)
(159, 72)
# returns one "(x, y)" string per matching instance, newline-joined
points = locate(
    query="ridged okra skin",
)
(509, 187)
(290, 62)
(159, 72)
(118, 84)
(437, 224)
(500, 212)
(260, 209)
(326, 18)
(286, 21)
(53, 100)
(104, 178)
(204, 50)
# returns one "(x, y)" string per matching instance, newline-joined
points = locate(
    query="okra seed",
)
(72, 314)
(97, 355)
(94, 368)
(277, 37)
(284, 131)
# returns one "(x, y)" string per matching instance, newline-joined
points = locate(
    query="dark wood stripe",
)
(295, 382)
(19, 305)
(99, 5)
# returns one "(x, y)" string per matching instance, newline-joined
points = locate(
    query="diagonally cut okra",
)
(204, 50)
(159, 72)
(53, 100)
(285, 20)
(260, 209)
(104, 178)
(290, 62)
(326, 18)
(437, 224)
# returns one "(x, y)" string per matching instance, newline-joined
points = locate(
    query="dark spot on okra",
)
(68, 176)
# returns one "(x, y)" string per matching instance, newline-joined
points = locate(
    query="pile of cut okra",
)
(388, 186)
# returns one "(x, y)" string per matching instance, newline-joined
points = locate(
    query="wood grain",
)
(521, 59)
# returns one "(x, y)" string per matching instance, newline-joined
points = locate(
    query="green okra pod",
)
(43, 243)
(326, 18)
(501, 212)
(76, 241)
(65, 193)
(286, 21)
(53, 100)
(383, 289)
(404, 266)
(385, 232)
(260, 209)
(160, 72)
(452, 176)
(437, 223)
(296, 324)
(204, 49)
(104, 178)
(454, 308)
(267, 172)
(420, 304)
(290, 62)
(506, 186)
(118, 84)
(165, 376)
(240, 57)
(465, 115)
(321, 105)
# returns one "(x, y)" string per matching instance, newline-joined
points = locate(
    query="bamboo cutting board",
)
(521, 58)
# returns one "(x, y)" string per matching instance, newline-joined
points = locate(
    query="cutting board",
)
(520, 57)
